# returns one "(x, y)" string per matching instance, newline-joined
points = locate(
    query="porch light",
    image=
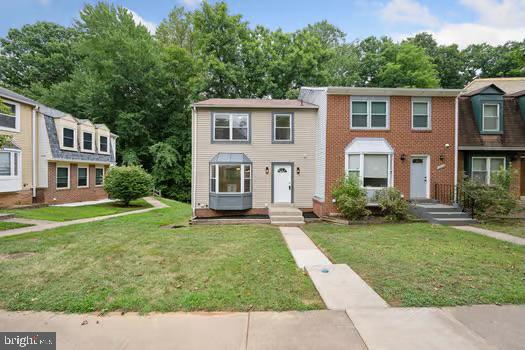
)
(267, 170)
(298, 171)
(441, 157)
(403, 156)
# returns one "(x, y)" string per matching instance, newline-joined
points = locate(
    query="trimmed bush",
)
(350, 198)
(127, 183)
(392, 204)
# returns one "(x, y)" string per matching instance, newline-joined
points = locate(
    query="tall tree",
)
(36, 56)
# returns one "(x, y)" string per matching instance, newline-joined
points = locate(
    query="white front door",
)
(418, 177)
(282, 183)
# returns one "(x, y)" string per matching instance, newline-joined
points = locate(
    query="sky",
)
(450, 21)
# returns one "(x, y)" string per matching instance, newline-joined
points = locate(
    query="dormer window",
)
(68, 138)
(87, 141)
(103, 144)
(490, 117)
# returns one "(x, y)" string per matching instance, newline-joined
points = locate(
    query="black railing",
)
(451, 194)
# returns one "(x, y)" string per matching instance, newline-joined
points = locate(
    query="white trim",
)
(33, 152)
(16, 116)
(428, 101)
(217, 173)
(82, 149)
(487, 166)
(68, 177)
(337, 90)
(427, 170)
(290, 120)
(87, 175)
(483, 117)
(390, 167)
(230, 124)
(369, 100)
(103, 175)
(456, 153)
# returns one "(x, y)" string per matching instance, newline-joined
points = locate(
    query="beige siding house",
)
(249, 154)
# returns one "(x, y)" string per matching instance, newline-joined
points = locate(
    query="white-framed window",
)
(87, 141)
(282, 127)
(490, 117)
(68, 138)
(10, 117)
(99, 176)
(484, 167)
(9, 163)
(103, 144)
(82, 177)
(369, 113)
(230, 178)
(373, 170)
(62, 180)
(234, 127)
(421, 113)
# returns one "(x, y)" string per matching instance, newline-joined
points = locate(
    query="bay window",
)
(484, 167)
(232, 127)
(372, 170)
(9, 163)
(230, 178)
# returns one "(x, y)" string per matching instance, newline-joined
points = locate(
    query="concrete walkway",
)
(254, 330)
(41, 225)
(498, 235)
(382, 327)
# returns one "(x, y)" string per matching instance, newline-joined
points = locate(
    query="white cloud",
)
(191, 3)
(150, 26)
(498, 22)
(408, 11)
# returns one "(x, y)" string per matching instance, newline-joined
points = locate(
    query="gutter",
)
(456, 153)
(193, 157)
(34, 151)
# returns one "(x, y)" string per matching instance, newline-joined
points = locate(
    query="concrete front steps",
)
(285, 215)
(443, 214)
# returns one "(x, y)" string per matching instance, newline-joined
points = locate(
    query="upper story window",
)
(490, 117)
(369, 113)
(484, 167)
(103, 144)
(87, 141)
(9, 163)
(421, 111)
(68, 138)
(231, 127)
(230, 178)
(282, 128)
(10, 117)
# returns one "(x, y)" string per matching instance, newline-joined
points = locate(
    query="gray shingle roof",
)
(17, 97)
(230, 158)
(60, 154)
(254, 103)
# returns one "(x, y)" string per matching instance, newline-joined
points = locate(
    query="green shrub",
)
(490, 200)
(127, 183)
(392, 204)
(350, 198)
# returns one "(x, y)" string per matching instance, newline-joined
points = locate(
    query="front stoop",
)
(285, 216)
(443, 214)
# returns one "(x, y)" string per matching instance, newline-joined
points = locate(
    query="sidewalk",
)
(497, 235)
(41, 225)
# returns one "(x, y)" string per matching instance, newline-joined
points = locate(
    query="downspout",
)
(34, 151)
(193, 158)
(456, 132)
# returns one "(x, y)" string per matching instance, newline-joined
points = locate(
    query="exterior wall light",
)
(298, 171)
(267, 170)
(403, 156)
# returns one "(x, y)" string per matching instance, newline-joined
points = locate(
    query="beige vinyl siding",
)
(262, 153)
(23, 140)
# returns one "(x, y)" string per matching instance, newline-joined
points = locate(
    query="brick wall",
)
(11, 199)
(52, 195)
(401, 137)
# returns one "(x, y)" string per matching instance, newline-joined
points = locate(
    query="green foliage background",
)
(107, 68)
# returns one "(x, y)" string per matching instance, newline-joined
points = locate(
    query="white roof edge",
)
(253, 107)
(369, 91)
(489, 148)
(319, 88)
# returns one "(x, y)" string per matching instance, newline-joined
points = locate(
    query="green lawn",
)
(11, 225)
(134, 263)
(73, 213)
(427, 265)
(512, 227)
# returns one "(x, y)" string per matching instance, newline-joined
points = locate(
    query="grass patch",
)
(4, 225)
(427, 265)
(513, 227)
(133, 263)
(53, 213)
